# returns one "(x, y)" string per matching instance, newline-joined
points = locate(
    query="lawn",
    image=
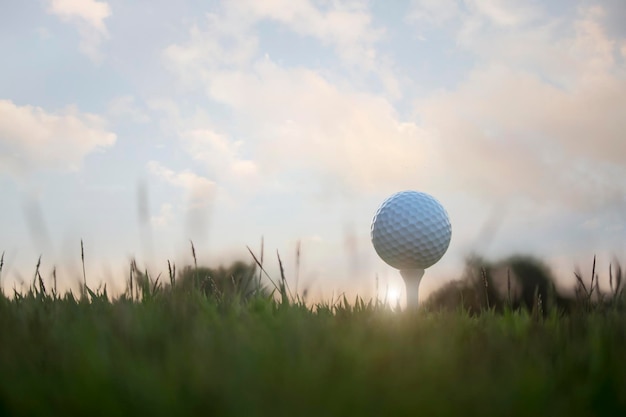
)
(183, 352)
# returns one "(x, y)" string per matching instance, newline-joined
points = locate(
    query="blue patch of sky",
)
(135, 49)
(564, 8)
(292, 50)
(26, 74)
(52, 73)
(13, 20)
(289, 49)
(431, 65)
(427, 53)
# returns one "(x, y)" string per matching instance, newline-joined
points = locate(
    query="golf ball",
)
(411, 230)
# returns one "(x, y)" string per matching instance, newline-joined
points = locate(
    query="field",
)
(182, 351)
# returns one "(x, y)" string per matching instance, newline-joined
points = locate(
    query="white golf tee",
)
(412, 279)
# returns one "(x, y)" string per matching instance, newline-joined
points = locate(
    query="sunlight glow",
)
(393, 295)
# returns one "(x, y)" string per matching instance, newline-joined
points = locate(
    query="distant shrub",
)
(518, 282)
(239, 279)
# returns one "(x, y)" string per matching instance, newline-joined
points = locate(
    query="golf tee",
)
(412, 279)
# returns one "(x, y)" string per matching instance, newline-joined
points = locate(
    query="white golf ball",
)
(411, 230)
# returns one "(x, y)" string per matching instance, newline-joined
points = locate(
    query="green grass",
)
(184, 352)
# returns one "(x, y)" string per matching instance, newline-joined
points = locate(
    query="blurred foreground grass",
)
(183, 352)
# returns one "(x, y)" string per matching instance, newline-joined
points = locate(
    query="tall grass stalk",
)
(171, 268)
(284, 286)
(260, 265)
(1, 267)
(82, 258)
(262, 254)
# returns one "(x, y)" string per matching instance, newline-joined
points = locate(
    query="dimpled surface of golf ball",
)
(411, 230)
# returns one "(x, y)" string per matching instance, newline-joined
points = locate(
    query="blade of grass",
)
(172, 271)
(486, 285)
(82, 257)
(581, 283)
(283, 285)
(1, 266)
(262, 269)
(156, 285)
(593, 277)
(34, 285)
(195, 264)
(262, 253)
(54, 282)
(42, 287)
(131, 272)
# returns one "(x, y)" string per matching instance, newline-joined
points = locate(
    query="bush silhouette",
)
(517, 282)
(239, 279)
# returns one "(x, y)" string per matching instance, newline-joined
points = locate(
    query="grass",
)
(197, 349)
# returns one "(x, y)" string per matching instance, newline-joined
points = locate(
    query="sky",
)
(141, 126)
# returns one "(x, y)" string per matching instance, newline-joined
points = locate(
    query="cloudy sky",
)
(140, 125)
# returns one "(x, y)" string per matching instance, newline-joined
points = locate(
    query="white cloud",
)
(339, 24)
(475, 14)
(303, 123)
(226, 42)
(31, 138)
(200, 190)
(221, 156)
(230, 41)
(519, 126)
(506, 12)
(297, 121)
(200, 194)
(88, 16)
(227, 162)
(346, 26)
(91, 11)
(535, 123)
(165, 216)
